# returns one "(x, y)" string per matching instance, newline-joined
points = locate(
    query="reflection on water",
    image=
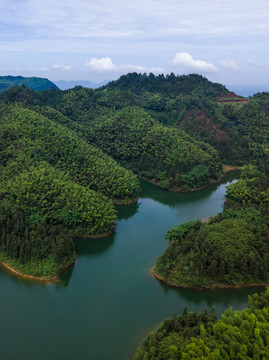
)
(126, 212)
(91, 247)
(172, 198)
(214, 297)
(64, 280)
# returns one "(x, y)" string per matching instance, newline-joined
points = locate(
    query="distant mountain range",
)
(37, 83)
(64, 85)
(33, 83)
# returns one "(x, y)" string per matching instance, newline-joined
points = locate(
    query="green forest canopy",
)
(231, 248)
(138, 120)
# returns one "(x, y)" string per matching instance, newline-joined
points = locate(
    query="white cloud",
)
(34, 33)
(186, 61)
(230, 64)
(61, 67)
(105, 65)
(141, 69)
(50, 68)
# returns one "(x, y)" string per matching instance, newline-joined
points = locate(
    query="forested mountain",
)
(168, 157)
(34, 83)
(205, 110)
(240, 334)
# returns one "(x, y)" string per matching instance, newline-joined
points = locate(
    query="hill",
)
(33, 83)
(205, 110)
(167, 157)
(52, 182)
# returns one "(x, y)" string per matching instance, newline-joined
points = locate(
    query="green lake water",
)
(108, 301)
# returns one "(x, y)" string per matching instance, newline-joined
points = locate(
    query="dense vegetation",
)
(28, 138)
(64, 155)
(53, 184)
(34, 83)
(168, 157)
(163, 155)
(33, 245)
(229, 249)
(67, 156)
(205, 110)
(51, 195)
(238, 335)
(239, 131)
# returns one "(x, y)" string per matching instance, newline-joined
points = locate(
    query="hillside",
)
(37, 138)
(53, 184)
(237, 130)
(190, 103)
(33, 83)
(168, 157)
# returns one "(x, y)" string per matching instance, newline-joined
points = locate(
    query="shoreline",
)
(225, 169)
(55, 277)
(31, 277)
(216, 287)
(101, 236)
(126, 202)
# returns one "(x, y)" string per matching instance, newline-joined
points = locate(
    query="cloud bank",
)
(186, 61)
(105, 65)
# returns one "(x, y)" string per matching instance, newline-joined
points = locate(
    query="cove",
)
(103, 307)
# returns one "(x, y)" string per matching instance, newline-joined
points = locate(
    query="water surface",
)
(108, 302)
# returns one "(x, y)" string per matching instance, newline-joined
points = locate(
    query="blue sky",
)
(226, 41)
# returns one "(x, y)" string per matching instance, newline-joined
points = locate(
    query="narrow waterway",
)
(104, 306)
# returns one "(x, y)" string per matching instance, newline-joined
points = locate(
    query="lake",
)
(103, 307)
